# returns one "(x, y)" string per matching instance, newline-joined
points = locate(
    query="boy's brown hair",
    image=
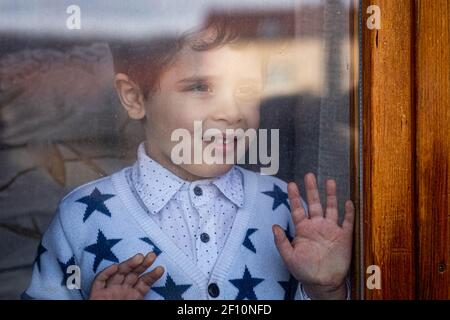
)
(145, 62)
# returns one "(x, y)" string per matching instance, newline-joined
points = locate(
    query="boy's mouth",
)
(223, 138)
(224, 142)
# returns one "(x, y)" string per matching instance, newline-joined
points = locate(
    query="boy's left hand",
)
(319, 256)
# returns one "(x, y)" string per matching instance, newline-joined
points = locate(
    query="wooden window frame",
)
(404, 209)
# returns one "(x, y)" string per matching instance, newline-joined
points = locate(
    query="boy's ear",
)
(130, 95)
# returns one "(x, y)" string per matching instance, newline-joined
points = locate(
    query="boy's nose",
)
(228, 110)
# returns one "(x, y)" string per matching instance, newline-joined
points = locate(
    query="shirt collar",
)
(230, 184)
(156, 185)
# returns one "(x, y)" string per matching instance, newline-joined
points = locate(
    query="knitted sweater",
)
(102, 222)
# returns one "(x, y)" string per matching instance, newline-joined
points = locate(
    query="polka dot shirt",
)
(197, 215)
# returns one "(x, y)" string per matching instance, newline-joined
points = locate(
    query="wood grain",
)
(388, 149)
(433, 148)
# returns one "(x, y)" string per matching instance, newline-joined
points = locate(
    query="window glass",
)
(62, 123)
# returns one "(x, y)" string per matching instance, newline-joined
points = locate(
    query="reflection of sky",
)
(119, 18)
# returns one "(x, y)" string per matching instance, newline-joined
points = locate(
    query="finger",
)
(148, 279)
(146, 263)
(332, 212)
(294, 196)
(349, 217)
(151, 277)
(282, 243)
(124, 268)
(131, 279)
(297, 211)
(129, 265)
(116, 279)
(312, 196)
(298, 216)
(103, 276)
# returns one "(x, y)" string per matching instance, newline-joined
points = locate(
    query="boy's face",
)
(220, 87)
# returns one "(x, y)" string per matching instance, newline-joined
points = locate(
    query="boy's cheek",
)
(253, 119)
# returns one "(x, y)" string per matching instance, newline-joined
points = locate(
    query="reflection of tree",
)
(58, 129)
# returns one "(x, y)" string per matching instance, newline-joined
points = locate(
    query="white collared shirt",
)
(197, 215)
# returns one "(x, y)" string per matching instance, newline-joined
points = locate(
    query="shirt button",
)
(204, 237)
(213, 290)
(198, 191)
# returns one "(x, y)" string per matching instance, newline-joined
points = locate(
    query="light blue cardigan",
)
(102, 222)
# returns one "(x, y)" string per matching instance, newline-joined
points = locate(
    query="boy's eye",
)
(200, 87)
(248, 92)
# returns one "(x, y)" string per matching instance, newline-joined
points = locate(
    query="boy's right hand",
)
(124, 281)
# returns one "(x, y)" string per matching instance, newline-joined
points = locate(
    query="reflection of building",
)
(298, 57)
(304, 22)
(261, 25)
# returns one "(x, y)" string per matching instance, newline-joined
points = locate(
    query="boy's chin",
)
(207, 170)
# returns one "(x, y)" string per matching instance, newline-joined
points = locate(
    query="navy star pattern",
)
(102, 250)
(279, 197)
(156, 250)
(95, 202)
(64, 267)
(26, 296)
(171, 291)
(40, 250)
(247, 242)
(246, 286)
(290, 287)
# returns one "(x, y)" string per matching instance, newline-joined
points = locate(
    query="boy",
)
(216, 231)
